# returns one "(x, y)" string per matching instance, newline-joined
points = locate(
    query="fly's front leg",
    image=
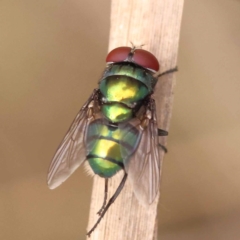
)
(167, 72)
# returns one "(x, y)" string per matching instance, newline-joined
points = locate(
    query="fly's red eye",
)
(118, 54)
(146, 59)
(140, 57)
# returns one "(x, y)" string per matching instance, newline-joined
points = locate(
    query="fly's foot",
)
(101, 210)
(163, 148)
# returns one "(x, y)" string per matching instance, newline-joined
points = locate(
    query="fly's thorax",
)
(132, 70)
(117, 112)
(123, 88)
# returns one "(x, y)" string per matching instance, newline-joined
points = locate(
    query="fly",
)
(116, 129)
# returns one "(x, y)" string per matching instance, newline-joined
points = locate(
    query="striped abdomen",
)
(105, 146)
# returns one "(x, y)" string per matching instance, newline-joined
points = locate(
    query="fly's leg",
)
(163, 147)
(110, 202)
(167, 72)
(148, 117)
(162, 133)
(105, 197)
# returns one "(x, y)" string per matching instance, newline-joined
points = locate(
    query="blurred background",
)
(52, 54)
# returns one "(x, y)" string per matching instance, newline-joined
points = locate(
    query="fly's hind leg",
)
(110, 202)
(105, 197)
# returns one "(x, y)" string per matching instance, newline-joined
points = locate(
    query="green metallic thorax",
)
(123, 88)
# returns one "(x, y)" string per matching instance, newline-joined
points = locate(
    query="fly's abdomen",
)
(105, 158)
(105, 147)
(123, 88)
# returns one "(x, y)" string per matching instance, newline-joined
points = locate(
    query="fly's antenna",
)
(131, 53)
(134, 47)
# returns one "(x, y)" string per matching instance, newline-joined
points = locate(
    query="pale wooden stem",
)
(156, 24)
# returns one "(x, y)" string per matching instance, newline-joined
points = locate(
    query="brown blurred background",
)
(52, 54)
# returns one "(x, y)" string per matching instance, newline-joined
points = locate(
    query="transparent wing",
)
(143, 166)
(71, 152)
(130, 138)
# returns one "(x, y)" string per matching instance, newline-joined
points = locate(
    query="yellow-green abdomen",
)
(105, 147)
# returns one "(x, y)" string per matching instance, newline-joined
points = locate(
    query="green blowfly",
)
(116, 129)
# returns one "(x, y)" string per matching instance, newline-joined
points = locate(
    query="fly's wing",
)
(71, 152)
(130, 138)
(143, 165)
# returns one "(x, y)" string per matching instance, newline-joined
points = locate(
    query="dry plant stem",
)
(156, 24)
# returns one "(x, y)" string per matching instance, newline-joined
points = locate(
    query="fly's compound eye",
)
(146, 59)
(139, 56)
(119, 54)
